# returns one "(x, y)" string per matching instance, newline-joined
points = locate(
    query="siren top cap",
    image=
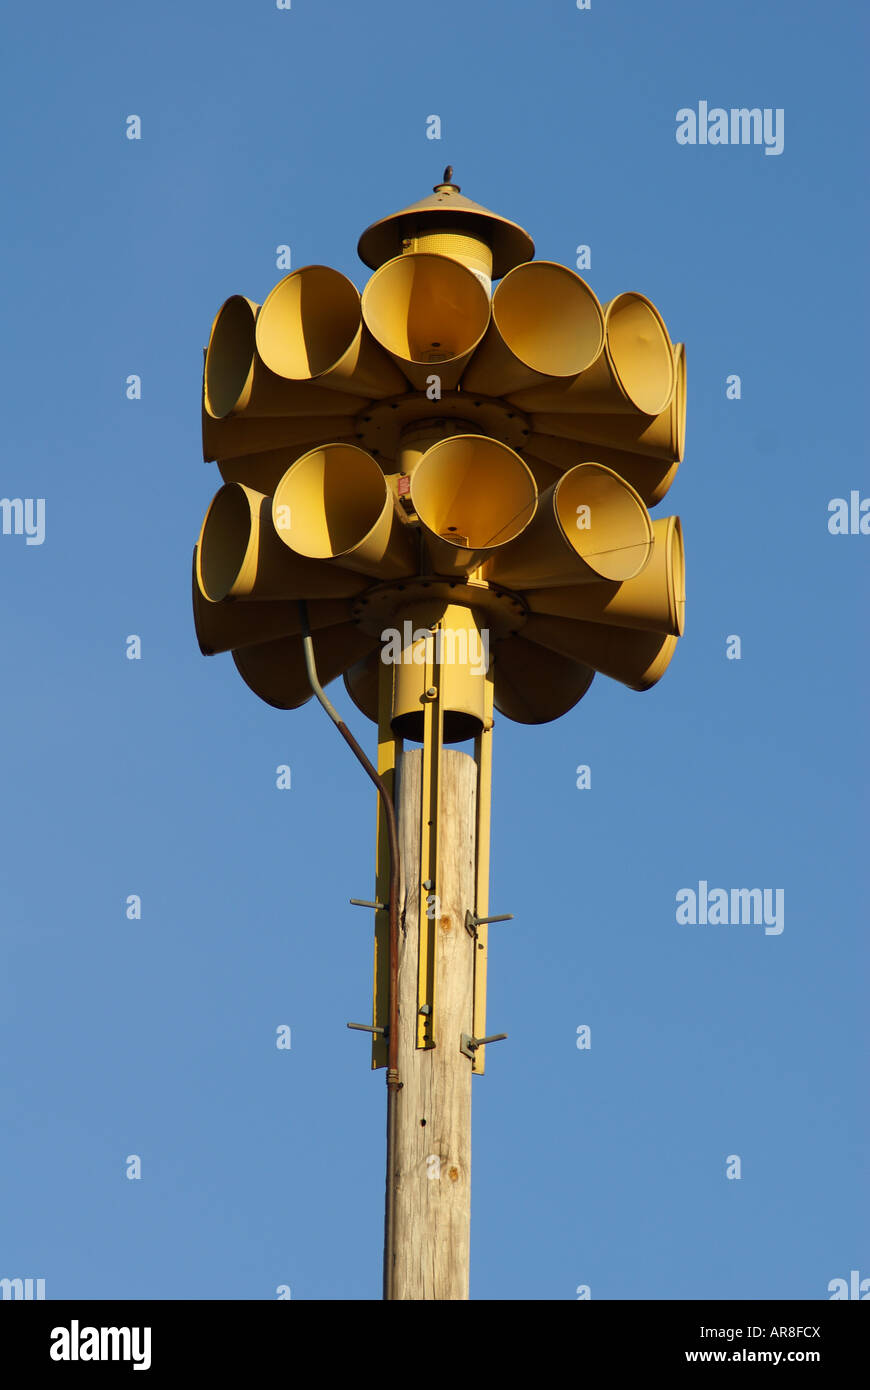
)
(510, 244)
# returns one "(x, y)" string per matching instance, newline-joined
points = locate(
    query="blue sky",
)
(155, 1037)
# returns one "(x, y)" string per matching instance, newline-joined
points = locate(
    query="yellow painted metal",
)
(447, 212)
(240, 555)
(236, 438)
(473, 496)
(389, 751)
(221, 627)
(383, 426)
(483, 813)
(654, 600)
(440, 670)
(635, 372)
(633, 657)
(429, 313)
(548, 404)
(383, 605)
(546, 323)
(237, 381)
(660, 437)
(448, 240)
(589, 526)
(362, 683)
(533, 685)
(649, 477)
(545, 474)
(420, 436)
(335, 505)
(429, 814)
(228, 439)
(461, 641)
(276, 670)
(310, 328)
(263, 471)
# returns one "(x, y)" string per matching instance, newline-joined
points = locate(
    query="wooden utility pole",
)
(433, 1141)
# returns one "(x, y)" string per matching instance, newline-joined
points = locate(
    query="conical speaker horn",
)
(224, 439)
(429, 312)
(334, 504)
(264, 471)
(655, 599)
(310, 328)
(545, 474)
(534, 686)
(361, 683)
(662, 437)
(635, 658)
(221, 627)
(276, 670)
(239, 555)
(237, 382)
(231, 438)
(546, 323)
(473, 495)
(591, 525)
(649, 477)
(634, 373)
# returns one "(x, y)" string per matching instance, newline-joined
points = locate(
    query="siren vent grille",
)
(470, 250)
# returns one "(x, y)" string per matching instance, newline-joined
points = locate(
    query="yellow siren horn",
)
(429, 312)
(361, 683)
(533, 686)
(472, 495)
(310, 328)
(546, 324)
(335, 505)
(589, 526)
(663, 437)
(655, 599)
(649, 477)
(635, 372)
(240, 556)
(276, 671)
(634, 658)
(222, 626)
(237, 381)
(237, 437)
(264, 471)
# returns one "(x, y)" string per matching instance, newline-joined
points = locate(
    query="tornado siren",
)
(549, 424)
(440, 491)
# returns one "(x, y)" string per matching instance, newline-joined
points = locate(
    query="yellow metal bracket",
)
(389, 750)
(433, 742)
(483, 758)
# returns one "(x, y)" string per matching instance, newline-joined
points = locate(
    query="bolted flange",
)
(383, 605)
(379, 427)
